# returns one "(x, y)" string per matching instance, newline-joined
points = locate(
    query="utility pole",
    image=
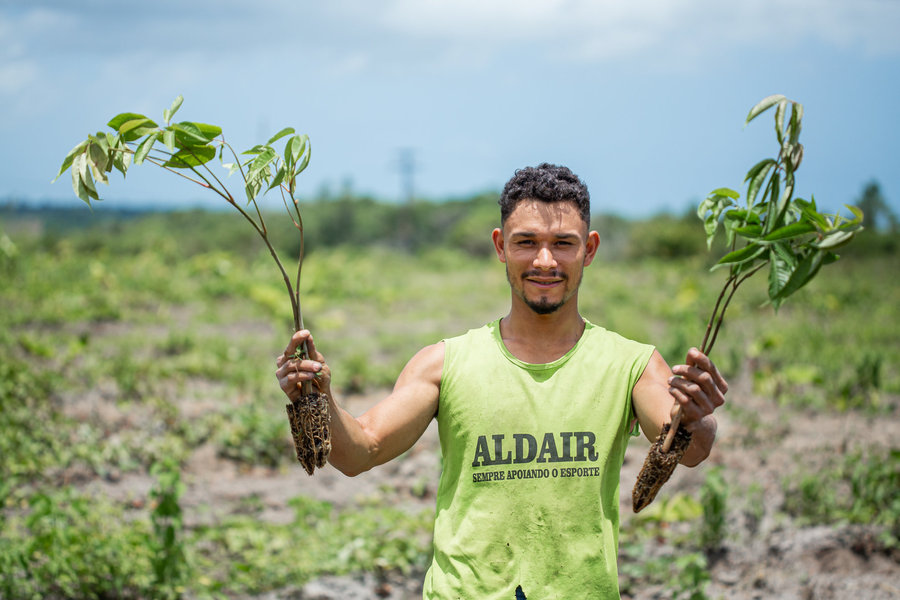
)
(406, 165)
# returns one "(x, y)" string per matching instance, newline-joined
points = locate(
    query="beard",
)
(542, 306)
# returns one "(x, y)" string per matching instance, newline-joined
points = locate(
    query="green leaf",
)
(749, 231)
(279, 177)
(725, 192)
(794, 230)
(70, 157)
(747, 253)
(170, 112)
(779, 274)
(810, 213)
(189, 134)
(98, 159)
(744, 216)
(121, 118)
(802, 274)
(80, 190)
(756, 175)
(89, 182)
(738, 218)
(255, 149)
(794, 125)
(279, 135)
(191, 157)
(298, 147)
(786, 253)
(77, 186)
(136, 128)
(262, 161)
(779, 120)
(712, 207)
(81, 179)
(134, 124)
(304, 163)
(211, 132)
(834, 239)
(763, 105)
(144, 148)
(169, 139)
(784, 201)
(796, 157)
(772, 206)
(122, 160)
(857, 212)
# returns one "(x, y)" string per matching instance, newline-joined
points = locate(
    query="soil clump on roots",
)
(658, 466)
(310, 420)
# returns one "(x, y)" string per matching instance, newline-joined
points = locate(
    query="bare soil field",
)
(765, 556)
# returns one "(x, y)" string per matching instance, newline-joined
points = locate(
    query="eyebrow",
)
(531, 234)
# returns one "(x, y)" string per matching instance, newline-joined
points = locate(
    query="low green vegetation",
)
(64, 544)
(860, 487)
(129, 344)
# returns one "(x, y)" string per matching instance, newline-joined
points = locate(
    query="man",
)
(534, 412)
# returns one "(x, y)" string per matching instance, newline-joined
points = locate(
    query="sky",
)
(644, 99)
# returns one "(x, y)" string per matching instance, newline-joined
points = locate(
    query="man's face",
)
(545, 247)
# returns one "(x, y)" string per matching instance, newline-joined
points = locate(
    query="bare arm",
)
(697, 386)
(387, 429)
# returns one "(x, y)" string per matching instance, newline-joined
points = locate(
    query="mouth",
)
(544, 280)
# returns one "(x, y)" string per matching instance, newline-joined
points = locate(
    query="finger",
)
(690, 411)
(703, 379)
(296, 340)
(290, 385)
(694, 394)
(696, 358)
(309, 366)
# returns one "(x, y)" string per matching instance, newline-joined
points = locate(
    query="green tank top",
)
(528, 500)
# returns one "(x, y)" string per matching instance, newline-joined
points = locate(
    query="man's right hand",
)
(292, 372)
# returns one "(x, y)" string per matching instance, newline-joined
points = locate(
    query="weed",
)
(714, 499)
(168, 559)
(690, 577)
(860, 488)
(72, 546)
(254, 435)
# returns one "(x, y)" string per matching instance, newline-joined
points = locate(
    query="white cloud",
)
(17, 76)
(596, 30)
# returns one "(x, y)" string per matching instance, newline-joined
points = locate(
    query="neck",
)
(537, 338)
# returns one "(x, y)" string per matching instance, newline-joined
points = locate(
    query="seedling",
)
(187, 149)
(771, 229)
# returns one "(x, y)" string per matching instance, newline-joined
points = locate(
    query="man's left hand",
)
(697, 387)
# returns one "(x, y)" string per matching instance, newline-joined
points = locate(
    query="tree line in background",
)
(360, 221)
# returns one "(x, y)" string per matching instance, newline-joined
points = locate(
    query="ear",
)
(499, 244)
(590, 247)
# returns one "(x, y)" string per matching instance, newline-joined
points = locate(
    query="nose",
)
(544, 259)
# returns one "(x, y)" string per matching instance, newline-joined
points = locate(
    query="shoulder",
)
(604, 340)
(427, 364)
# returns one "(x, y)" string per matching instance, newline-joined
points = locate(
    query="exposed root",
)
(310, 420)
(658, 467)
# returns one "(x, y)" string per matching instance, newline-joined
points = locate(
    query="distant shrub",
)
(665, 237)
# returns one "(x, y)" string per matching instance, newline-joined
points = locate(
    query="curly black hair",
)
(547, 183)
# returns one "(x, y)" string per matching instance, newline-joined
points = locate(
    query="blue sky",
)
(644, 99)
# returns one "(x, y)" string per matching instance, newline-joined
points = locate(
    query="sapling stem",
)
(712, 327)
(197, 144)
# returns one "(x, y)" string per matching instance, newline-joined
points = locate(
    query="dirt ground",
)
(766, 556)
